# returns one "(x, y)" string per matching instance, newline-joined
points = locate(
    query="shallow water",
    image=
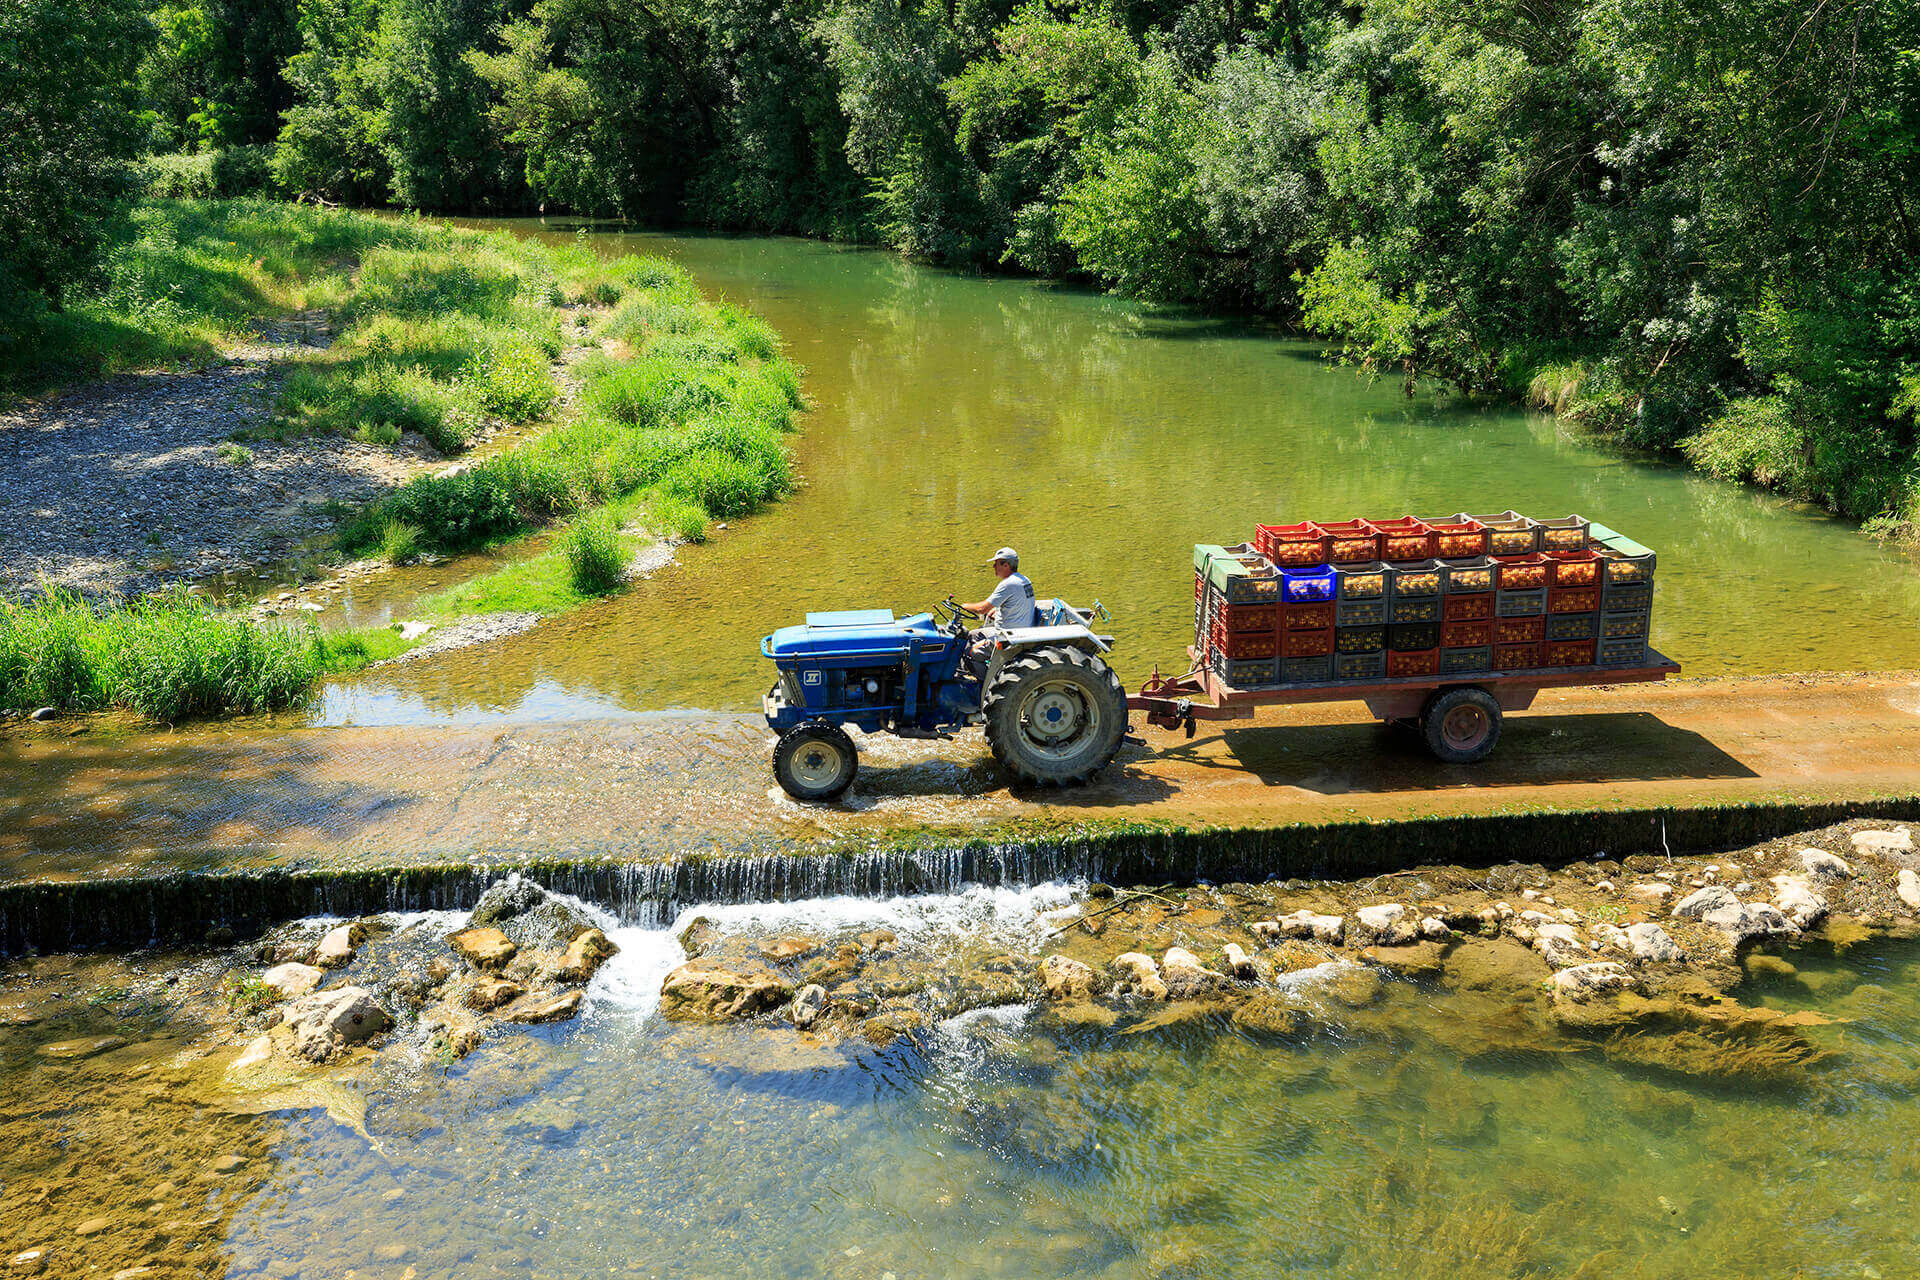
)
(954, 414)
(1402, 1142)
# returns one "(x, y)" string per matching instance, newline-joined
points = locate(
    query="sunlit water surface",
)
(1011, 1143)
(953, 414)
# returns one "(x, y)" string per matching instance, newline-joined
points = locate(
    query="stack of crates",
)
(1416, 597)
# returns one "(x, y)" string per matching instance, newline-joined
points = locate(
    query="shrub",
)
(178, 177)
(595, 562)
(169, 657)
(514, 382)
(725, 485)
(673, 517)
(399, 542)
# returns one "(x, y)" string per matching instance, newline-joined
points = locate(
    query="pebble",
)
(228, 1163)
(93, 1226)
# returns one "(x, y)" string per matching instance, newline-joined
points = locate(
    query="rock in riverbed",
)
(326, 1022)
(482, 947)
(1066, 978)
(1908, 887)
(293, 980)
(696, 992)
(1384, 925)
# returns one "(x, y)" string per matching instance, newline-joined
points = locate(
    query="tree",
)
(67, 131)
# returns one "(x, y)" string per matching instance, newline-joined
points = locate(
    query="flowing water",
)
(1412, 1138)
(954, 414)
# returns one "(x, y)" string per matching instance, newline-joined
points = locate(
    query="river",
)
(952, 414)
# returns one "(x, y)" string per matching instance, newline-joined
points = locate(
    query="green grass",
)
(170, 658)
(353, 650)
(682, 420)
(399, 542)
(596, 562)
(187, 278)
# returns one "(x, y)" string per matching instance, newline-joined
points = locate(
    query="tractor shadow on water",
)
(1534, 751)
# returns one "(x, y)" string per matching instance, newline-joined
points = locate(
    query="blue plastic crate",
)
(1304, 585)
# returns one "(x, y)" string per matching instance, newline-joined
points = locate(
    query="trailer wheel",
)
(1461, 725)
(1055, 716)
(815, 762)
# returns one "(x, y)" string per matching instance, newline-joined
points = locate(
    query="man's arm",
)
(980, 608)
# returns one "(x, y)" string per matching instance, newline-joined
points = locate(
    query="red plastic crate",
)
(1306, 617)
(1519, 630)
(1573, 569)
(1457, 539)
(1306, 644)
(1573, 599)
(1404, 539)
(1516, 657)
(1351, 542)
(1243, 646)
(1521, 573)
(1569, 653)
(1291, 543)
(1248, 617)
(1467, 608)
(1465, 635)
(1413, 662)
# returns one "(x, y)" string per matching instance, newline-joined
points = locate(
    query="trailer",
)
(1459, 720)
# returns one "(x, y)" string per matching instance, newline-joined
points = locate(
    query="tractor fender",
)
(1011, 644)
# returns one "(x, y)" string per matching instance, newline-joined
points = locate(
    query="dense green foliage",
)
(1689, 225)
(170, 658)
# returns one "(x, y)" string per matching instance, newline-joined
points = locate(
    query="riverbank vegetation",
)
(1690, 229)
(170, 658)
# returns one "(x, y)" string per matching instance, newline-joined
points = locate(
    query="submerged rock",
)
(82, 1048)
(1584, 981)
(1267, 1014)
(700, 993)
(490, 993)
(1187, 979)
(791, 948)
(325, 1022)
(697, 936)
(1239, 963)
(528, 914)
(543, 1006)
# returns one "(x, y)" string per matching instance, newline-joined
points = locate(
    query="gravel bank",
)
(122, 486)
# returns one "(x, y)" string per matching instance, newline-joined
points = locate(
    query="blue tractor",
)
(1054, 711)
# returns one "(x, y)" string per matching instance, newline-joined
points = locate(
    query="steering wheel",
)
(957, 610)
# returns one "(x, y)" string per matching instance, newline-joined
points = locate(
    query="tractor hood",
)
(855, 634)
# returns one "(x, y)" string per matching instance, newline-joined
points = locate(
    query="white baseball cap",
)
(1008, 554)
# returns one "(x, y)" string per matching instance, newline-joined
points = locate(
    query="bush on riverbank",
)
(170, 658)
(688, 411)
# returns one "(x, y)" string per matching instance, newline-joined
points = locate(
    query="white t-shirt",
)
(1012, 602)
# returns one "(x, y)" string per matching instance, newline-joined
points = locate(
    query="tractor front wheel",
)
(815, 762)
(1055, 716)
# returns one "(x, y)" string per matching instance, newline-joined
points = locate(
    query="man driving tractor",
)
(1008, 606)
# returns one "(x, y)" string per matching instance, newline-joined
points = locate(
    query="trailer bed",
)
(1200, 694)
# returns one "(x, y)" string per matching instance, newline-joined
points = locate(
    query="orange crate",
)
(1573, 599)
(1351, 542)
(1242, 646)
(1508, 533)
(1519, 630)
(1467, 608)
(1306, 644)
(1456, 538)
(1291, 543)
(1465, 635)
(1306, 617)
(1404, 539)
(1521, 573)
(1568, 533)
(1573, 568)
(1413, 662)
(1569, 653)
(1516, 657)
(1248, 617)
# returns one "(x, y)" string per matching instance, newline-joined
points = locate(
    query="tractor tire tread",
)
(999, 734)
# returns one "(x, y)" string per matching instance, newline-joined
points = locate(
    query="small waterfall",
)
(188, 907)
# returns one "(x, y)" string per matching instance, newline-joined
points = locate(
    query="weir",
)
(136, 911)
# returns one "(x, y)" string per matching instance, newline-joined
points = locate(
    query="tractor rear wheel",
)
(1055, 716)
(815, 761)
